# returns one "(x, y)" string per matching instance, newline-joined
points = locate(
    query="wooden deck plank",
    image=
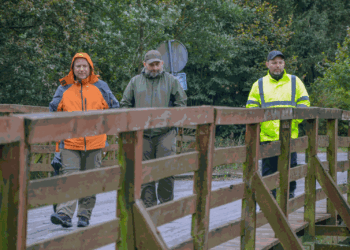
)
(265, 235)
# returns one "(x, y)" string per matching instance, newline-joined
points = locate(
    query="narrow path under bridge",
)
(40, 227)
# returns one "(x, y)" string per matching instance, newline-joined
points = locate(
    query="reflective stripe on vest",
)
(269, 104)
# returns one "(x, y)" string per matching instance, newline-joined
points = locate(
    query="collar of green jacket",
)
(283, 79)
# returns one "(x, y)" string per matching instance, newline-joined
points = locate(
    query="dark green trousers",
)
(157, 147)
(74, 161)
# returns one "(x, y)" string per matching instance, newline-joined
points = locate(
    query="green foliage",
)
(231, 51)
(317, 28)
(37, 38)
(333, 89)
(227, 42)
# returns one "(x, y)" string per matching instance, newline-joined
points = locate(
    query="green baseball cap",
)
(153, 56)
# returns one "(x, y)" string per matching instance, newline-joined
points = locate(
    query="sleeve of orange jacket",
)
(56, 103)
(54, 106)
(107, 94)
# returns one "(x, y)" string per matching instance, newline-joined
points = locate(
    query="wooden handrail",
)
(19, 133)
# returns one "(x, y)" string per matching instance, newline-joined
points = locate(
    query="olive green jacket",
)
(160, 92)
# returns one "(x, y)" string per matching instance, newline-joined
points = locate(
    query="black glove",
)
(56, 163)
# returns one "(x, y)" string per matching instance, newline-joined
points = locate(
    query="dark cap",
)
(153, 56)
(273, 54)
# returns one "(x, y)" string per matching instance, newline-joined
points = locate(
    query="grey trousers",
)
(74, 161)
(156, 147)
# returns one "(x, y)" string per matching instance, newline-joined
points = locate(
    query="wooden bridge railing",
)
(44, 151)
(135, 226)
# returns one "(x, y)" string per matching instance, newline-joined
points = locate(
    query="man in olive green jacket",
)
(155, 88)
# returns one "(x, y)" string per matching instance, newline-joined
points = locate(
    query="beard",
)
(153, 74)
(277, 76)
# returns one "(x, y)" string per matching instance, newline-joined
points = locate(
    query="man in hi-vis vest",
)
(277, 90)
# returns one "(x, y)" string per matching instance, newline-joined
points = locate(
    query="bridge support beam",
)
(13, 185)
(332, 150)
(248, 226)
(310, 179)
(205, 136)
(130, 162)
(284, 165)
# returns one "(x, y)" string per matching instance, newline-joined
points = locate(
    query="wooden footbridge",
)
(22, 135)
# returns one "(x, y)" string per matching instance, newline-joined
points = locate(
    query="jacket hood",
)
(69, 79)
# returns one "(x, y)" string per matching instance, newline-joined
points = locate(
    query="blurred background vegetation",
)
(227, 43)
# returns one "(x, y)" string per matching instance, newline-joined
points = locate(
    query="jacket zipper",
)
(82, 108)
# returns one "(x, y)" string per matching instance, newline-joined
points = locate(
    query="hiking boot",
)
(83, 221)
(61, 219)
(273, 192)
(291, 195)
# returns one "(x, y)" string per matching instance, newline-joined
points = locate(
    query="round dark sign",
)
(174, 55)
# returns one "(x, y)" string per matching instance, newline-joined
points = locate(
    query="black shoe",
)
(273, 192)
(83, 221)
(291, 195)
(61, 219)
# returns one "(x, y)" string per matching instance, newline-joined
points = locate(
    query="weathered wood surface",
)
(77, 185)
(87, 238)
(40, 227)
(11, 130)
(202, 181)
(12, 211)
(310, 179)
(157, 169)
(40, 126)
(332, 149)
(251, 165)
(333, 193)
(14, 108)
(130, 159)
(275, 215)
(146, 234)
(170, 211)
(44, 127)
(331, 247)
(332, 230)
(284, 166)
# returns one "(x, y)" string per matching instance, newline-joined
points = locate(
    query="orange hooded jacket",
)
(87, 94)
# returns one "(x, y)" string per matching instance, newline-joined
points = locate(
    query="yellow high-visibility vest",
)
(270, 93)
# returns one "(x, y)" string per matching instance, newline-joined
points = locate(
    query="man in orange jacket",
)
(80, 90)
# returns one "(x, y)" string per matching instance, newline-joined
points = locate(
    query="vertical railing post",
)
(24, 177)
(284, 165)
(348, 190)
(130, 162)
(248, 226)
(310, 179)
(13, 184)
(179, 140)
(332, 133)
(205, 136)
